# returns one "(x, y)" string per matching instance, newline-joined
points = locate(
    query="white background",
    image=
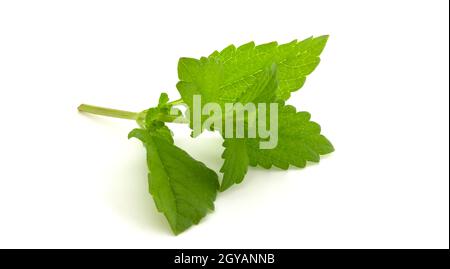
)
(381, 95)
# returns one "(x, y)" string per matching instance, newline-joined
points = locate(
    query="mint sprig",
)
(183, 188)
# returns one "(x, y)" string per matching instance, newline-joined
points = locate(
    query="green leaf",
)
(154, 117)
(235, 164)
(183, 189)
(163, 99)
(235, 155)
(263, 90)
(225, 75)
(299, 141)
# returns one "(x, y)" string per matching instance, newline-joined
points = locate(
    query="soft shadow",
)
(128, 193)
(207, 149)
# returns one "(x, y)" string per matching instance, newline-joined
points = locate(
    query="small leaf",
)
(235, 163)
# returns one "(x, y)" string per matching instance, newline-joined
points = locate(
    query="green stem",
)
(173, 119)
(122, 114)
(176, 102)
(109, 112)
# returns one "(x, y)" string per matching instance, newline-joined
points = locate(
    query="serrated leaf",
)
(263, 90)
(235, 163)
(183, 188)
(299, 141)
(225, 75)
(235, 155)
